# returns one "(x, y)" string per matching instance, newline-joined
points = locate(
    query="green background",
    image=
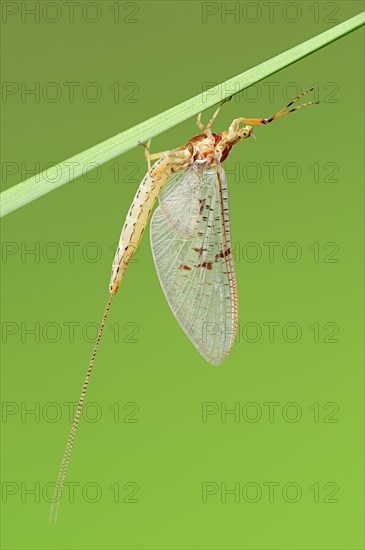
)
(159, 380)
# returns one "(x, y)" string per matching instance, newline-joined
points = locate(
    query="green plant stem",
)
(43, 183)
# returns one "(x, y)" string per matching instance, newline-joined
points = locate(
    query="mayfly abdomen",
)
(137, 219)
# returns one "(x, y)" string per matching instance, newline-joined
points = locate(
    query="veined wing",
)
(196, 268)
(179, 201)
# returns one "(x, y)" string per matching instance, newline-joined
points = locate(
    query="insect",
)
(191, 244)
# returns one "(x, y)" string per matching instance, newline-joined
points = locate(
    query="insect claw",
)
(226, 99)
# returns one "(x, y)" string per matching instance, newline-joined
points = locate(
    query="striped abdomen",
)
(137, 219)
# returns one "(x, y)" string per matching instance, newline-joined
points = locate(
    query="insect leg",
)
(284, 111)
(199, 122)
(211, 122)
(150, 157)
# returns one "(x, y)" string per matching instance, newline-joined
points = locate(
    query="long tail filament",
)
(66, 457)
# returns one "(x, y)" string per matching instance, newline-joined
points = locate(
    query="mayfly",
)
(191, 243)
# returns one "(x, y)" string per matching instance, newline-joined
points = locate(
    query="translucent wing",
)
(179, 201)
(195, 267)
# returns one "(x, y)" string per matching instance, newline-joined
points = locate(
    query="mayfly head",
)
(229, 138)
(236, 134)
(244, 132)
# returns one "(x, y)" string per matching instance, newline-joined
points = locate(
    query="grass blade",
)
(39, 185)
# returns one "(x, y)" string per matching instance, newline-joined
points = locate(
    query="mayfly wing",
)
(196, 270)
(179, 201)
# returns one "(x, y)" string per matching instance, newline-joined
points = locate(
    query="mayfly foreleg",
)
(284, 111)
